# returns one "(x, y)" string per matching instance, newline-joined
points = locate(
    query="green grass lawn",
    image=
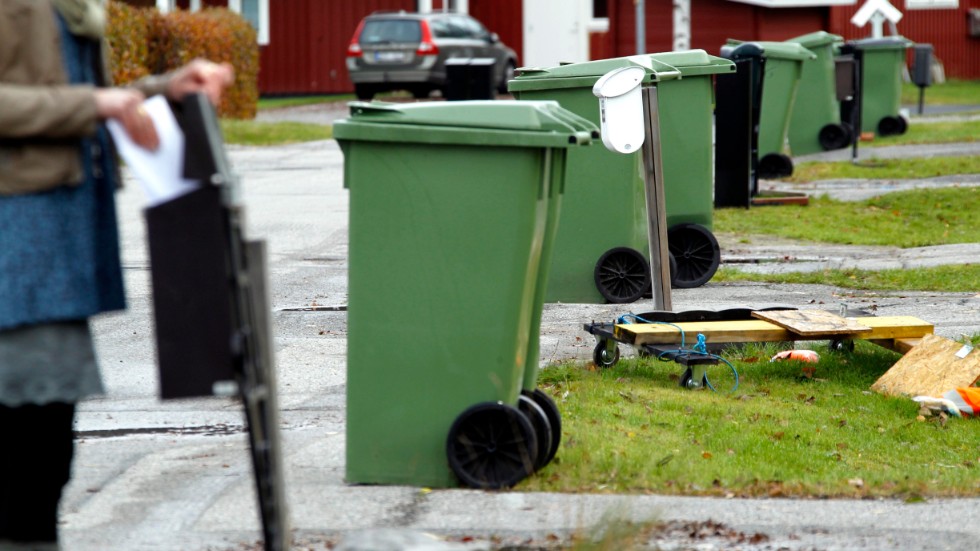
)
(904, 219)
(296, 101)
(885, 169)
(934, 133)
(951, 92)
(784, 431)
(955, 278)
(272, 133)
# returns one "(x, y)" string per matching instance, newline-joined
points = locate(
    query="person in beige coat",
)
(59, 249)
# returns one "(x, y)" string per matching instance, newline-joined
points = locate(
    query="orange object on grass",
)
(798, 355)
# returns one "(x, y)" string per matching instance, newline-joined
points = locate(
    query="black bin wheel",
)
(775, 165)
(603, 356)
(491, 445)
(892, 126)
(834, 136)
(622, 275)
(696, 253)
(542, 428)
(550, 409)
(842, 345)
(687, 380)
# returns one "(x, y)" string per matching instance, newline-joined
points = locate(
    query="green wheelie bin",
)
(882, 60)
(815, 123)
(452, 208)
(601, 246)
(782, 65)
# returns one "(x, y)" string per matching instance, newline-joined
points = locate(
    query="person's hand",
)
(126, 106)
(201, 75)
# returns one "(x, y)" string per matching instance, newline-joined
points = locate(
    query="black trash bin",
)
(469, 78)
(738, 102)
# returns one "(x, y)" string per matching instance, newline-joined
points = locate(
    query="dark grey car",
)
(408, 51)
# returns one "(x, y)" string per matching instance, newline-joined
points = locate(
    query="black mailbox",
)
(922, 65)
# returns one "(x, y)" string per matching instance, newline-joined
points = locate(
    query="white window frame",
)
(932, 4)
(262, 33)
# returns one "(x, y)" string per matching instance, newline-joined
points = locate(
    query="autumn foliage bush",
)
(144, 41)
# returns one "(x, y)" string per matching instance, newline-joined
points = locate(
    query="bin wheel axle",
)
(491, 445)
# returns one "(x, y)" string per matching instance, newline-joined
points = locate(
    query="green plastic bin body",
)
(449, 207)
(881, 78)
(780, 82)
(604, 204)
(686, 123)
(816, 104)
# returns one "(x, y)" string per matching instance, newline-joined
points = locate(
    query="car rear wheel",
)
(507, 76)
(420, 91)
(364, 91)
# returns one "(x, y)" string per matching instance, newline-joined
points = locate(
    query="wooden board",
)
(714, 331)
(813, 322)
(884, 327)
(930, 369)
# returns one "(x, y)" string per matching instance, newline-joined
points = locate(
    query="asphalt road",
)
(175, 476)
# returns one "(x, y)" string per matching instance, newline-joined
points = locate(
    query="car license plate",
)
(391, 57)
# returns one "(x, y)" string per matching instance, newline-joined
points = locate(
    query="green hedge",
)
(144, 41)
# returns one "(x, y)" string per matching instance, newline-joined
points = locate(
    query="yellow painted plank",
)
(896, 327)
(714, 331)
(883, 327)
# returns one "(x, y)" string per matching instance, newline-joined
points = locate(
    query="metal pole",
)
(641, 26)
(653, 177)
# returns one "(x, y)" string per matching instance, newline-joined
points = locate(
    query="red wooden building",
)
(307, 39)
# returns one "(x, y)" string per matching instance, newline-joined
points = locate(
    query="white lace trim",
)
(48, 363)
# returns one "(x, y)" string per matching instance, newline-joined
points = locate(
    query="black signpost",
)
(211, 307)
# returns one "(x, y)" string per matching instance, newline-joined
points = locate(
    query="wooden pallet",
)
(895, 332)
(935, 366)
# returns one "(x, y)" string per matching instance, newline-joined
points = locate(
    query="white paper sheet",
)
(158, 171)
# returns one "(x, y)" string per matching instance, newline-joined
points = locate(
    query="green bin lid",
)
(585, 75)
(884, 43)
(779, 50)
(817, 39)
(695, 62)
(482, 122)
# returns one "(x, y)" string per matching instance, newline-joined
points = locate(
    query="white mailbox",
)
(621, 109)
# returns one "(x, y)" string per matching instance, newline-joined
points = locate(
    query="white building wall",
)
(556, 31)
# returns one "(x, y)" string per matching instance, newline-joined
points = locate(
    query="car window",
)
(474, 28)
(439, 28)
(390, 31)
(457, 28)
